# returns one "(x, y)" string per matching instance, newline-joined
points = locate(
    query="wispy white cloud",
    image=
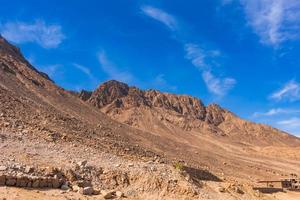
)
(161, 16)
(276, 111)
(113, 71)
(290, 91)
(275, 21)
(291, 125)
(202, 58)
(45, 35)
(291, 122)
(84, 69)
(216, 85)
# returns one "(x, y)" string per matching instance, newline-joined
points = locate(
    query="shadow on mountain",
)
(198, 175)
(268, 190)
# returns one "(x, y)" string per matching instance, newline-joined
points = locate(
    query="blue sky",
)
(241, 54)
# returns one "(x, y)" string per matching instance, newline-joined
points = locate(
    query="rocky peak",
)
(117, 95)
(84, 95)
(13, 61)
(215, 114)
(7, 48)
(108, 92)
(182, 104)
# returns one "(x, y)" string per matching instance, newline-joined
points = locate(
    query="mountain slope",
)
(29, 99)
(155, 111)
(164, 129)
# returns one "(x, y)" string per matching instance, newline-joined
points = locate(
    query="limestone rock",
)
(76, 188)
(28, 169)
(221, 189)
(107, 194)
(119, 194)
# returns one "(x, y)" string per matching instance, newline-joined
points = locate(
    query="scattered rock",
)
(28, 169)
(87, 191)
(82, 163)
(75, 188)
(107, 194)
(119, 194)
(221, 189)
(238, 190)
(3, 168)
(65, 186)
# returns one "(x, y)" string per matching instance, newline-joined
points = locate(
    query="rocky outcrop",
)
(11, 56)
(84, 95)
(116, 95)
(146, 109)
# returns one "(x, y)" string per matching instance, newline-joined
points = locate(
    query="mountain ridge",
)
(54, 127)
(129, 104)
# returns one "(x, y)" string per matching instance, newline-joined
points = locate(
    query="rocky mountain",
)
(29, 99)
(146, 144)
(154, 111)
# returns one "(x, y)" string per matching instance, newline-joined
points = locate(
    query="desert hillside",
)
(120, 142)
(155, 111)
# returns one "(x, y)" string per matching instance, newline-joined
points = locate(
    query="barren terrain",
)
(143, 144)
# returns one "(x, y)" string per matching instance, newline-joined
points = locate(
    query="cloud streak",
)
(216, 85)
(291, 125)
(161, 16)
(275, 21)
(290, 91)
(84, 69)
(276, 111)
(47, 36)
(203, 59)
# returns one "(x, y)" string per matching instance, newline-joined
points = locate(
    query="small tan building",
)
(291, 184)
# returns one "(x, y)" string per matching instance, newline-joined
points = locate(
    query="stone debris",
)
(221, 189)
(3, 168)
(119, 194)
(107, 194)
(88, 191)
(28, 169)
(65, 187)
(82, 163)
(130, 165)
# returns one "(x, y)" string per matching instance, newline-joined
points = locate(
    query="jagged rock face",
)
(84, 95)
(121, 95)
(214, 114)
(116, 97)
(12, 61)
(108, 93)
(154, 111)
(185, 105)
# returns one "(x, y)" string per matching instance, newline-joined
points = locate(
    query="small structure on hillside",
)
(292, 184)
